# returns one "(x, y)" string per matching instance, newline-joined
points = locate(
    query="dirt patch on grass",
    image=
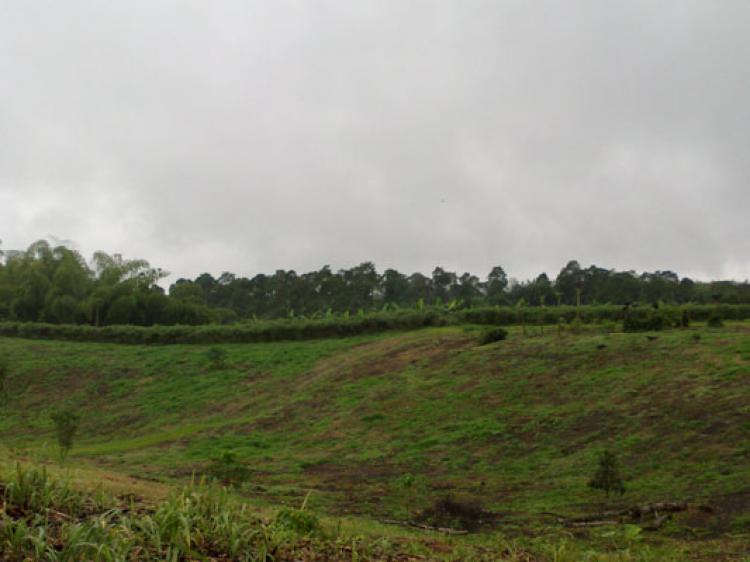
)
(387, 356)
(714, 518)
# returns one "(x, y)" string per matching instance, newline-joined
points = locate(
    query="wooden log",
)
(424, 527)
(599, 523)
(658, 522)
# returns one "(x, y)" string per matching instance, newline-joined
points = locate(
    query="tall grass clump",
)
(45, 519)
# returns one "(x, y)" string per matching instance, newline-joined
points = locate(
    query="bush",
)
(644, 320)
(228, 470)
(575, 326)
(715, 320)
(217, 357)
(493, 335)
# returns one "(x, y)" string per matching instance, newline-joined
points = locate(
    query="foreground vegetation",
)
(49, 518)
(386, 426)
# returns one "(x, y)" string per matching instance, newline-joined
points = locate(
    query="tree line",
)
(55, 284)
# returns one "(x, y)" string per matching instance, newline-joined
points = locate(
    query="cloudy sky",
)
(255, 135)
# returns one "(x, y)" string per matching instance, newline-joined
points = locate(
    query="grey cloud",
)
(250, 136)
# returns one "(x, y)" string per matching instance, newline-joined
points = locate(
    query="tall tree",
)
(497, 283)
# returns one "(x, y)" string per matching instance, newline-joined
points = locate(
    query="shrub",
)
(576, 326)
(453, 513)
(715, 320)
(644, 320)
(228, 470)
(217, 357)
(66, 426)
(492, 335)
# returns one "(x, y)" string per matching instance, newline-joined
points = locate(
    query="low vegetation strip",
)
(370, 323)
(46, 518)
(261, 331)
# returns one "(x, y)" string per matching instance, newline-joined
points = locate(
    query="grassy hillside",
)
(516, 424)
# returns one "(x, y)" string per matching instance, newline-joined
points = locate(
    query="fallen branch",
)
(423, 527)
(658, 522)
(597, 523)
(661, 513)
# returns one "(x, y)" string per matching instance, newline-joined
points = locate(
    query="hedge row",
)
(261, 331)
(298, 329)
(595, 313)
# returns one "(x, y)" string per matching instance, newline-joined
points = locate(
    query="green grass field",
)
(517, 424)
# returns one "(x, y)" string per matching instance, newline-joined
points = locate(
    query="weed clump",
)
(492, 335)
(298, 521)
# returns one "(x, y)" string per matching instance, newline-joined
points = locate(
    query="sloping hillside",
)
(517, 424)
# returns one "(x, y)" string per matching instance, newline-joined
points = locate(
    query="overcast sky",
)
(255, 135)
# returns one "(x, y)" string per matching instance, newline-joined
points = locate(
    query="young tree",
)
(394, 287)
(521, 306)
(442, 281)
(607, 477)
(66, 426)
(411, 488)
(497, 282)
(4, 372)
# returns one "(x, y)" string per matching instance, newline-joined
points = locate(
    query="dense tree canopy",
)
(56, 284)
